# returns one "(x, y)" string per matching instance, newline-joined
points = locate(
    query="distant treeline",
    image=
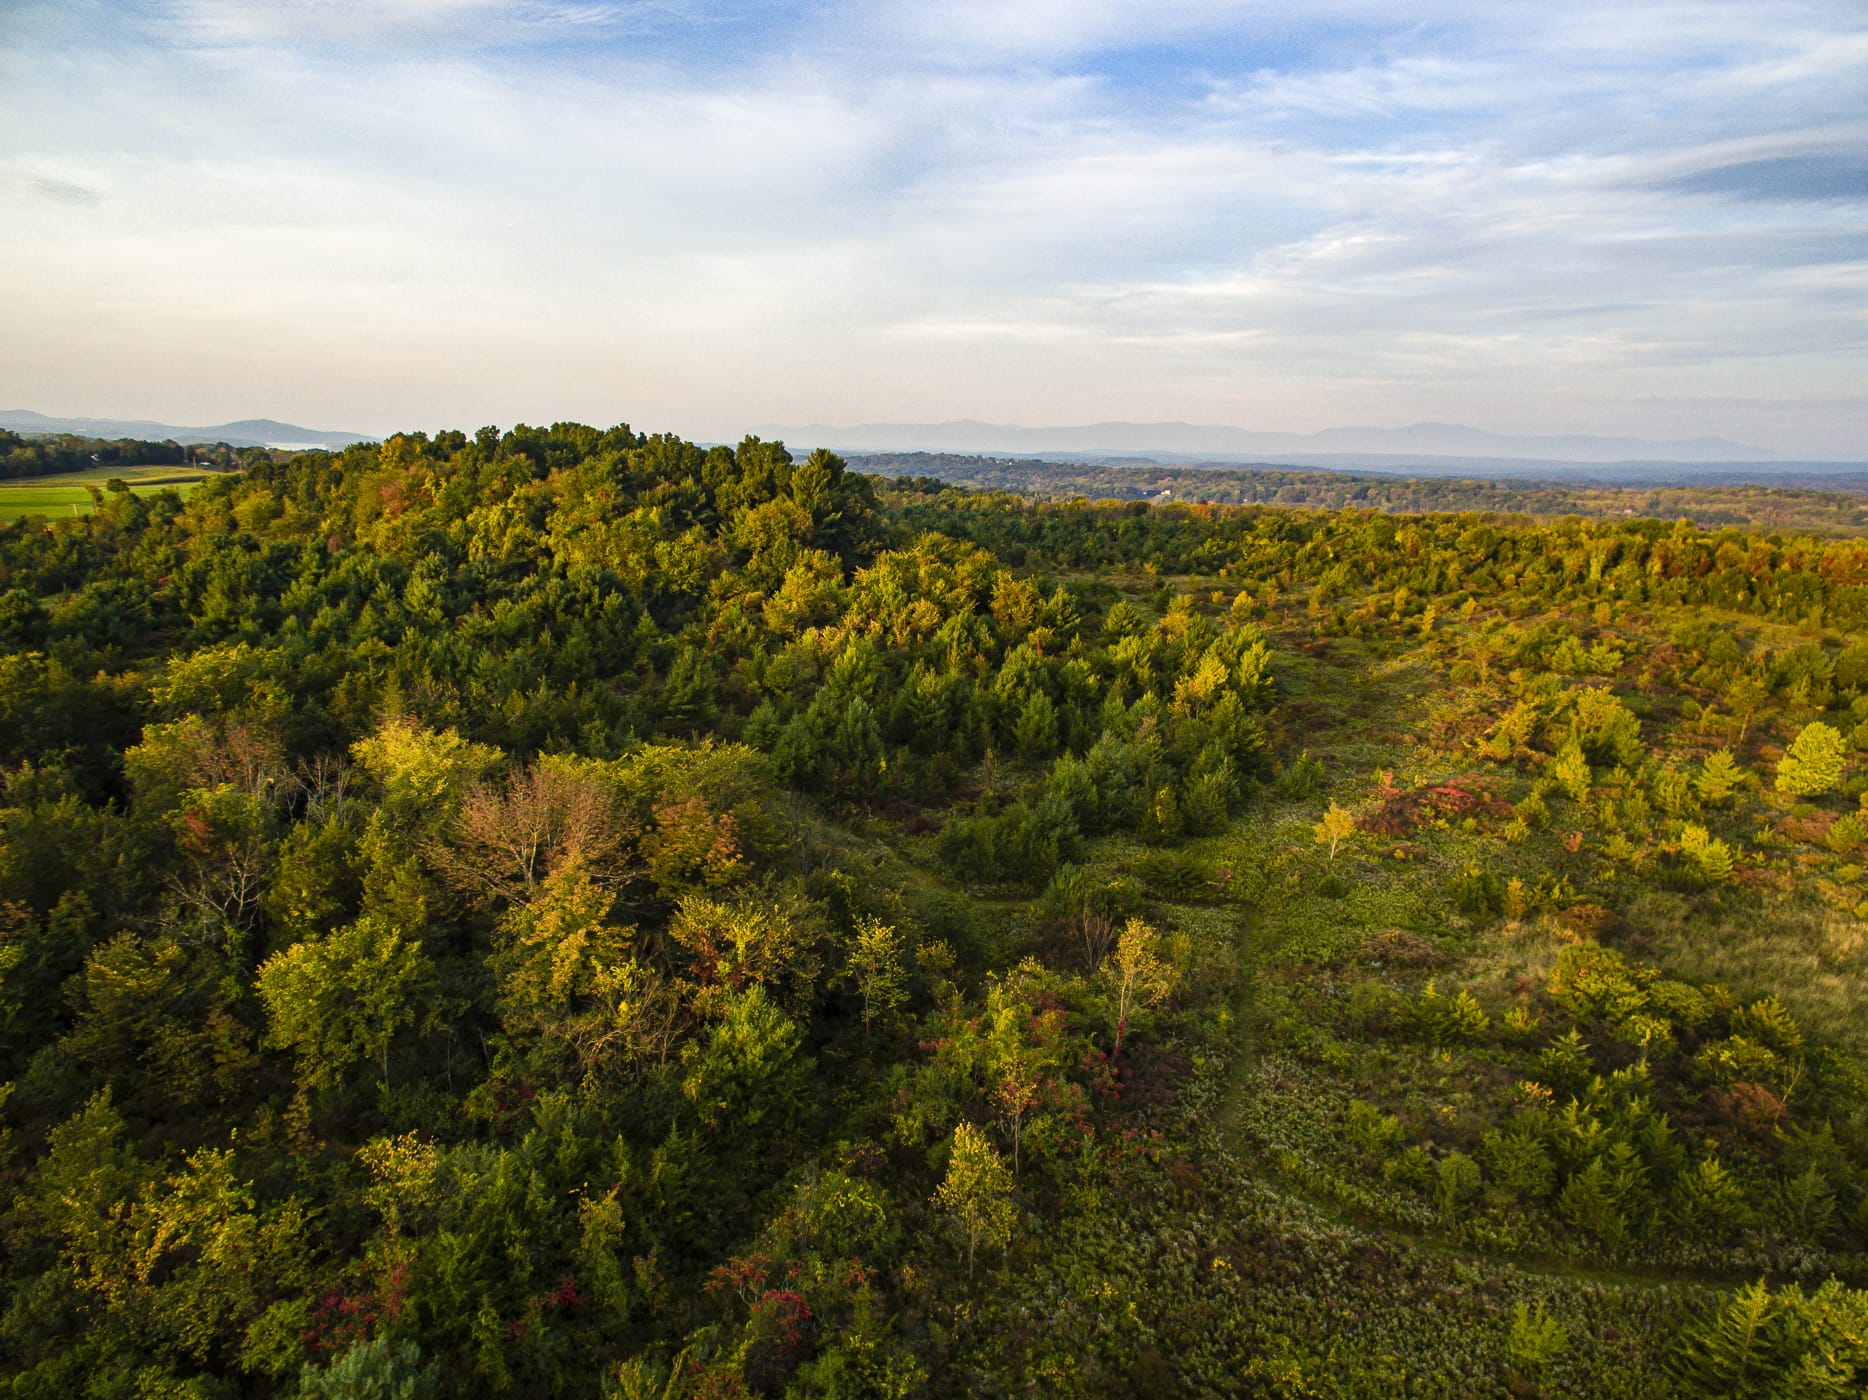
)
(67, 452)
(1713, 505)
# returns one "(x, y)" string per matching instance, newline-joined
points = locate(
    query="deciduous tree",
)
(1136, 974)
(341, 999)
(976, 1192)
(876, 966)
(1337, 826)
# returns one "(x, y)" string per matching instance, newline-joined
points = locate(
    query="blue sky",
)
(1646, 218)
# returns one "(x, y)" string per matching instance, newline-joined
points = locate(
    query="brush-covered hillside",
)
(567, 912)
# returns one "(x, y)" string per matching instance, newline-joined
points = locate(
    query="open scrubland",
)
(567, 912)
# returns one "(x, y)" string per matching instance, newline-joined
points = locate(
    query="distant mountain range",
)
(248, 432)
(1424, 444)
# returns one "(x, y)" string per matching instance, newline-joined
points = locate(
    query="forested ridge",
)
(570, 912)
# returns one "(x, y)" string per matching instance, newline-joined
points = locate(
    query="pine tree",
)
(1725, 1352)
(1742, 697)
(1036, 729)
(375, 1370)
(1537, 1340)
(1719, 776)
(1805, 1206)
(1813, 763)
(1712, 856)
(1589, 1202)
(1768, 1022)
(1459, 1181)
(1707, 1199)
(1571, 770)
(1673, 791)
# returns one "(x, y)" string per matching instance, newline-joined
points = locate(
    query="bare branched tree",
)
(509, 837)
(322, 784)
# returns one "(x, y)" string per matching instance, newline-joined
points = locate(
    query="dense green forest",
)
(566, 912)
(1811, 502)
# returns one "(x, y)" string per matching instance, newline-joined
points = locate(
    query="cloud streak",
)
(1820, 176)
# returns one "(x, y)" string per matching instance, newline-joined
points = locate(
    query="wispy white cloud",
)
(351, 24)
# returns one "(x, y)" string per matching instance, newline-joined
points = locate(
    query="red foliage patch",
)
(1751, 1107)
(785, 1309)
(1103, 1079)
(1399, 948)
(690, 841)
(1587, 920)
(745, 1275)
(1809, 830)
(1404, 811)
(339, 1320)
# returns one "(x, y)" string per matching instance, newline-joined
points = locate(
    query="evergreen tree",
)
(1814, 762)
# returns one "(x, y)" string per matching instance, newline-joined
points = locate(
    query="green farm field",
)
(69, 493)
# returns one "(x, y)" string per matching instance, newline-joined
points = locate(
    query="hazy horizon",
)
(1604, 220)
(1431, 447)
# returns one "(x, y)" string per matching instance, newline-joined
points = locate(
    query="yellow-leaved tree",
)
(876, 967)
(976, 1193)
(1136, 973)
(1337, 826)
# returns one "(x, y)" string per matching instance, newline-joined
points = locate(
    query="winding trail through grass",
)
(1333, 695)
